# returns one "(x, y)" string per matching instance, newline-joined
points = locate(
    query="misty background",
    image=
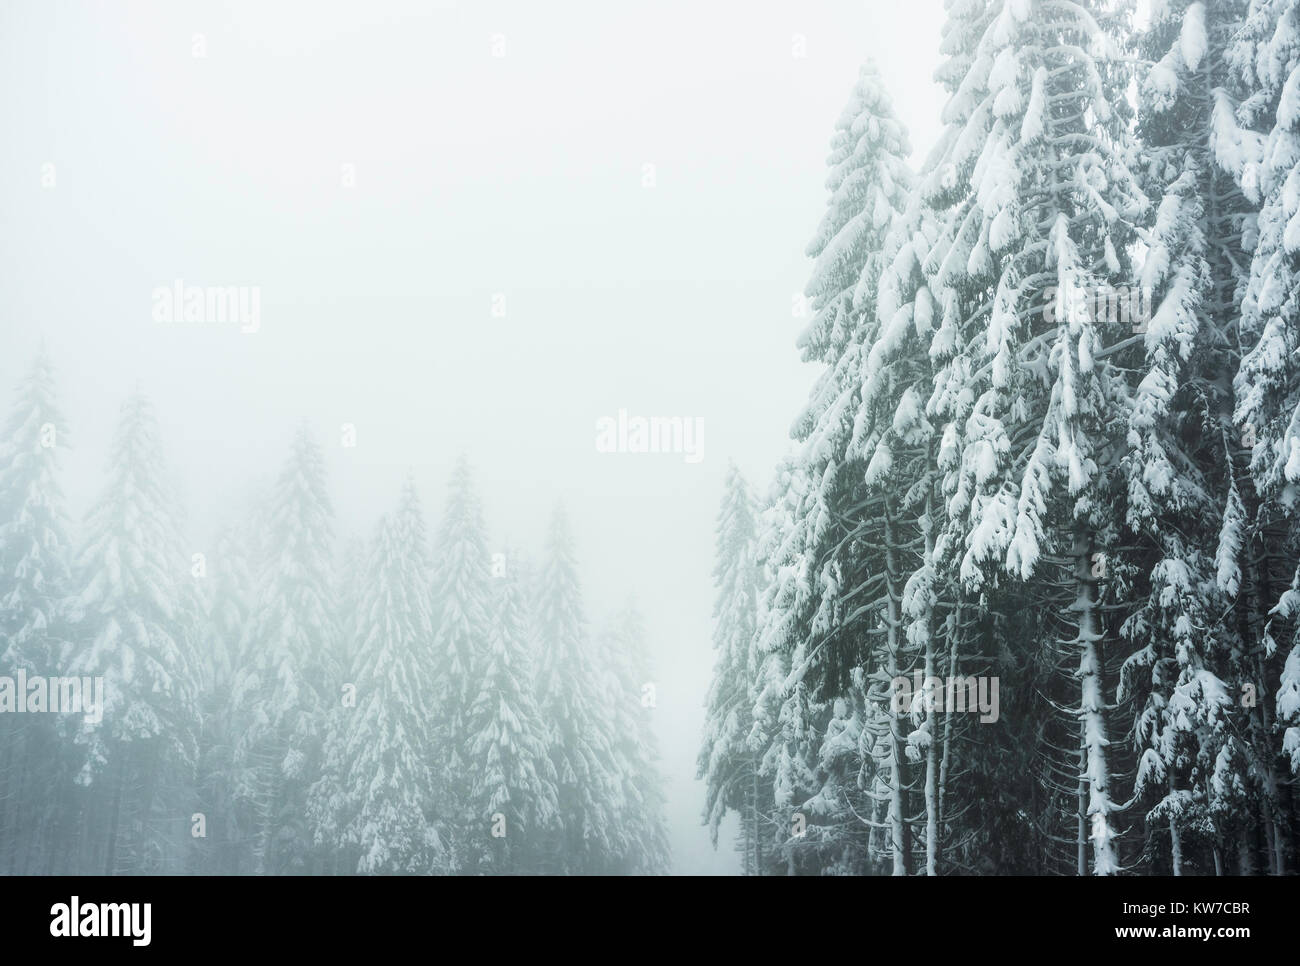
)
(476, 176)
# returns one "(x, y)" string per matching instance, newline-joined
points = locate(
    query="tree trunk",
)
(266, 831)
(931, 713)
(115, 813)
(954, 644)
(897, 805)
(1081, 841)
(756, 830)
(1096, 774)
(1175, 835)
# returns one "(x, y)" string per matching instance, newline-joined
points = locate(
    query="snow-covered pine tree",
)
(461, 607)
(1184, 491)
(570, 696)
(513, 796)
(868, 182)
(1043, 149)
(851, 786)
(904, 393)
(35, 578)
(854, 589)
(1266, 60)
(228, 594)
(287, 676)
(134, 612)
(642, 826)
(726, 762)
(786, 715)
(951, 628)
(325, 809)
(1183, 724)
(386, 804)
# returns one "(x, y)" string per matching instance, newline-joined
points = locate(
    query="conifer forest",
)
(1048, 473)
(852, 439)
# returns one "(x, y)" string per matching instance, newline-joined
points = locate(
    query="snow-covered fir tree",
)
(1261, 144)
(570, 695)
(726, 762)
(228, 589)
(461, 607)
(1187, 490)
(35, 579)
(785, 714)
(387, 803)
(851, 590)
(633, 698)
(134, 614)
(513, 797)
(1045, 149)
(288, 676)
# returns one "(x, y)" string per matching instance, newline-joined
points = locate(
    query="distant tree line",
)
(281, 704)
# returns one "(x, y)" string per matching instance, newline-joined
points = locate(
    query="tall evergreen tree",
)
(288, 675)
(784, 712)
(227, 597)
(385, 806)
(461, 608)
(514, 799)
(726, 762)
(847, 591)
(570, 696)
(644, 848)
(35, 579)
(1266, 57)
(1053, 204)
(134, 612)
(1185, 486)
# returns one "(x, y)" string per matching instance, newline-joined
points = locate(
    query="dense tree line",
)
(1055, 446)
(282, 704)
